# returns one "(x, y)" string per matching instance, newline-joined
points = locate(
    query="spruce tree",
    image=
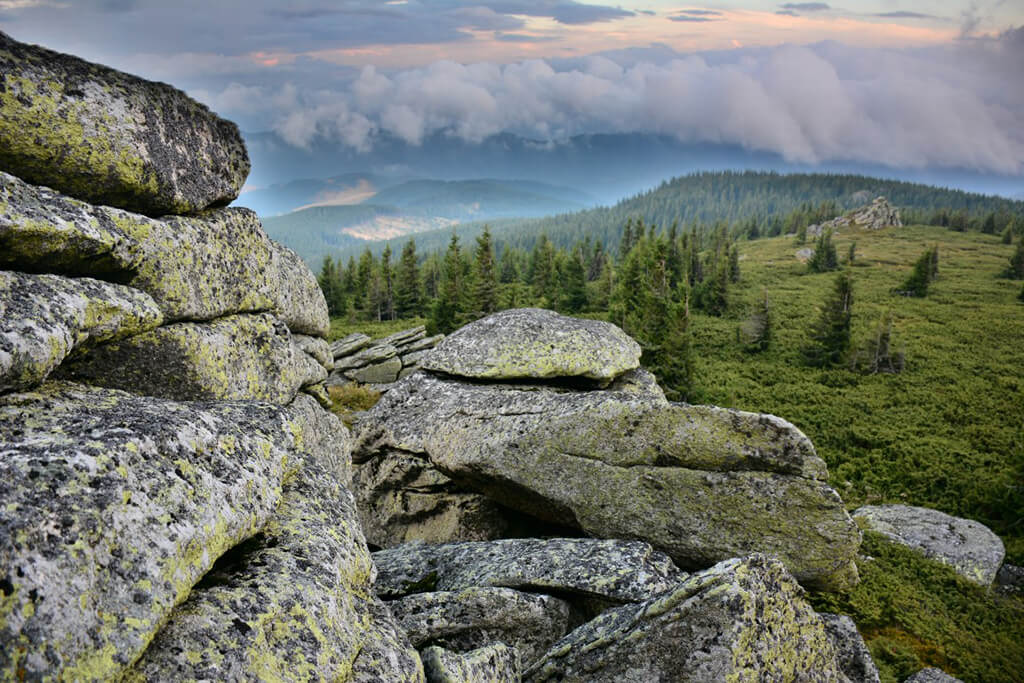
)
(851, 255)
(1007, 236)
(988, 226)
(824, 258)
(921, 276)
(734, 263)
(387, 285)
(574, 284)
(1015, 271)
(829, 342)
(445, 314)
(330, 280)
(485, 284)
(408, 295)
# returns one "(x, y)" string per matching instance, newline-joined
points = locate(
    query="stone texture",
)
(699, 483)
(852, 653)
(323, 435)
(318, 349)
(496, 663)
(367, 356)
(875, 216)
(346, 346)
(114, 506)
(965, 545)
(422, 344)
(403, 498)
(620, 571)
(43, 318)
(472, 618)
(1011, 578)
(234, 358)
(387, 654)
(110, 138)
(292, 603)
(404, 338)
(932, 675)
(384, 372)
(195, 268)
(743, 619)
(532, 343)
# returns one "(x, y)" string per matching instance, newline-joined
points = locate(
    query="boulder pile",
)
(379, 363)
(875, 216)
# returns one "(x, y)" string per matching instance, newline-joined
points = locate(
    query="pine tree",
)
(734, 264)
(574, 284)
(824, 258)
(543, 273)
(988, 226)
(920, 277)
(1007, 236)
(485, 285)
(387, 285)
(851, 255)
(877, 355)
(445, 314)
(509, 268)
(1015, 271)
(330, 281)
(408, 295)
(755, 333)
(829, 341)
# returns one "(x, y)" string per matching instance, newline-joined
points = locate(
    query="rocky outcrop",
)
(968, 547)
(852, 653)
(358, 358)
(239, 357)
(496, 663)
(475, 617)
(615, 571)
(195, 268)
(698, 483)
(877, 215)
(535, 344)
(932, 675)
(43, 318)
(110, 138)
(743, 619)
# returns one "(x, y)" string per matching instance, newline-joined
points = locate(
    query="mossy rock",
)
(110, 138)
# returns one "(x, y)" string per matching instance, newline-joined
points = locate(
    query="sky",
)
(901, 83)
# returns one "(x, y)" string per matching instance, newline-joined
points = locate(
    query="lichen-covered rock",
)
(323, 435)
(404, 338)
(114, 505)
(620, 571)
(403, 498)
(932, 675)
(384, 372)
(532, 343)
(346, 346)
(472, 618)
(496, 663)
(743, 619)
(292, 603)
(370, 355)
(317, 348)
(110, 138)
(387, 654)
(195, 268)
(967, 546)
(234, 358)
(44, 317)
(698, 483)
(852, 654)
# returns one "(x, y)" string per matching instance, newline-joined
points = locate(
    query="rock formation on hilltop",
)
(875, 216)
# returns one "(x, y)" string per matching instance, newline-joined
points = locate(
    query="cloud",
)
(700, 12)
(805, 6)
(923, 108)
(688, 17)
(787, 13)
(904, 15)
(970, 19)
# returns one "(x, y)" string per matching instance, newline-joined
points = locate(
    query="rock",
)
(387, 654)
(619, 571)
(423, 344)
(316, 348)
(699, 483)
(195, 268)
(1011, 578)
(639, 383)
(403, 338)
(879, 214)
(475, 617)
(319, 393)
(115, 505)
(43, 318)
(852, 654)
(110, 138)
(532, 343)
(240, 357)
(350, 344)
(968, 547)
(384, 372)
(414, 359)
(743, 619)
(804, 255)
(293, 602)
(932, 675)
(404, 498)
(323, 435)
(368, 356)
(496, 663)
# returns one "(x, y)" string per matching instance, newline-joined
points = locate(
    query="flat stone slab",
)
(475, 617)
(195, 268)
(43, 318)
(496, 663)
(350, 344)
(698, 483)
(533, 343)
(110, 138)
(384, 372)
(743, 619)
(240, 357)
(965, 545)
(620, 571)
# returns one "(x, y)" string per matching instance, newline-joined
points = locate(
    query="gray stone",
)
(743, 619)
(316, 348)
(876, 216)
(968, 547)
(387, 654)
(699, 483)
(291, 603)
(415, 358)
(346, 346)
(195, 268)
(932, 675)
(110, 138)
(384, 372)
(1011, 578)
(367, 356)
(532, 343)
(475, 617)
(240, 357)
(323, 435)
(852, 653)
(424, 344)
(406, 371)
(403, 338)
(43, 318)
(115, 505)
(496, 663)
(403, 498)
(619, 571)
